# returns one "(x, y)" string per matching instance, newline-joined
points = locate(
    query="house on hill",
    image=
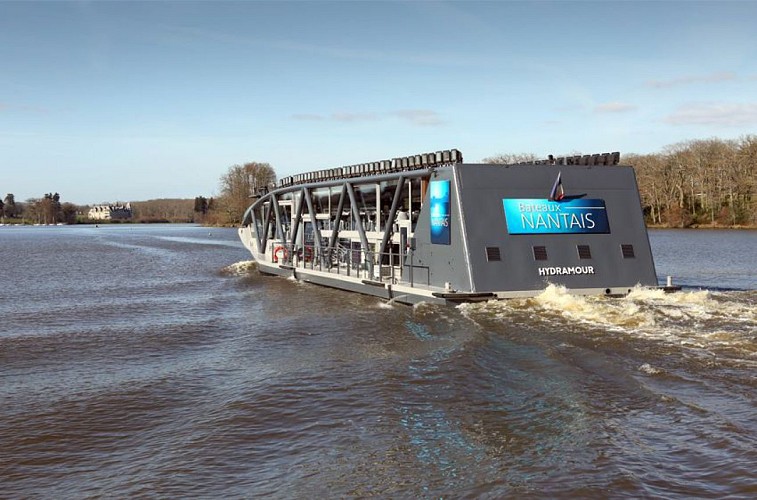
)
(110, 212)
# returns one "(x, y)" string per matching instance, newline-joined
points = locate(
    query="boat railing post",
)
(370, 257)
(364, 264)
(410, 271)
(391, 263)
(376, 259)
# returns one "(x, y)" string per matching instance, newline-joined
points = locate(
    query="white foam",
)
(704, 320)
(594, 310)
(649, 369)
(240, 268)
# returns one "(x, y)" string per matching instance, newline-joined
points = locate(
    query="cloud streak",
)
(724, 76)
(21, 108)
(614, 107)
(354, 117)
(415, 117)
(420, 117)
(719, 114)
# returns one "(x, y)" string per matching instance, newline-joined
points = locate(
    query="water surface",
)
(154, 361)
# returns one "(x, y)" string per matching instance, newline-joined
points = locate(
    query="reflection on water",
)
(156, 361)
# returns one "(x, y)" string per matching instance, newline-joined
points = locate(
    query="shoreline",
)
(704, 227)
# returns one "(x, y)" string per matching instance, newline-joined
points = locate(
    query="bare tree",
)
(511, 158)
(163, 210)
(238, 184)
(743, 181)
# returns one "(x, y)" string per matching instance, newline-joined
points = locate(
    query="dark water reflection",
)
(150, 361)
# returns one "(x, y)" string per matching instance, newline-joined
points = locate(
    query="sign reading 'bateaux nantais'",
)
(538, 216)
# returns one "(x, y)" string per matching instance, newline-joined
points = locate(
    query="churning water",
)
(155, 361)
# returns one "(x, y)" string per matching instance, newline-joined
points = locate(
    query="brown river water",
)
(153, 361)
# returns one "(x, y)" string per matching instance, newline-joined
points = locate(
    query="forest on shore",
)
(710, 182)
(697, 183)
(226, 209)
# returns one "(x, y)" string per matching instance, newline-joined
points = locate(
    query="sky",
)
(129, 101)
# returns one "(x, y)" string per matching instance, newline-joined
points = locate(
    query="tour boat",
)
(431, 228)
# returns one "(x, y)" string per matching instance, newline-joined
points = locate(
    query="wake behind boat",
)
(433, 228)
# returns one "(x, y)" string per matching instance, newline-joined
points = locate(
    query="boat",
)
(432, 228)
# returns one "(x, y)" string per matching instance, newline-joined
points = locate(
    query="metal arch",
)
(248, 216)
(371, 179)
(347, 185)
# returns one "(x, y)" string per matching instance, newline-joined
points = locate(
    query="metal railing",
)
(387, 267)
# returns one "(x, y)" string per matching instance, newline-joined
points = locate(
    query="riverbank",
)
(705, 226)
(738, 227)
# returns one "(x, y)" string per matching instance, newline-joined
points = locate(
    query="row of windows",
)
(493, 254)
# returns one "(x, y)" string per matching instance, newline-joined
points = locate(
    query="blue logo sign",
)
(440, 213)
(536, 216)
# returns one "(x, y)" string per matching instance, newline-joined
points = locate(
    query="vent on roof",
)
(627, 251)
(584, 252)
(540, 253)
(492, 254)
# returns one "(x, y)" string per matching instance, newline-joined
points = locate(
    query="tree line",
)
(227, 209)
(45, 210)
(699, 182)
(705, 182)
(49, 209)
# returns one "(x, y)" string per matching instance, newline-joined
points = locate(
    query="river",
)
(154, 361)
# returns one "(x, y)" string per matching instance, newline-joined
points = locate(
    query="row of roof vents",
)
(595, 159)
(427, 160)
(414, 162)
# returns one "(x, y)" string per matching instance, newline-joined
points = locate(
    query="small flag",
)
(557, 192)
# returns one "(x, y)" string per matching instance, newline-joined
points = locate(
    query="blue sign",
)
(440, 213)
(574, 216)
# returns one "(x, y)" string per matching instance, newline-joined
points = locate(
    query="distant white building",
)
(110, 212)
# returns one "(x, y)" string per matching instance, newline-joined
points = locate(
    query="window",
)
(492, 254)
(540, 253)
(584, 252)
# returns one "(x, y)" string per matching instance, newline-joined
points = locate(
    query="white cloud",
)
(723, 114)
(421, 117)
(723, 76)
(614, 107)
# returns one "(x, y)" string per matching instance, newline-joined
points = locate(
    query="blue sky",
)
(107, 101)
